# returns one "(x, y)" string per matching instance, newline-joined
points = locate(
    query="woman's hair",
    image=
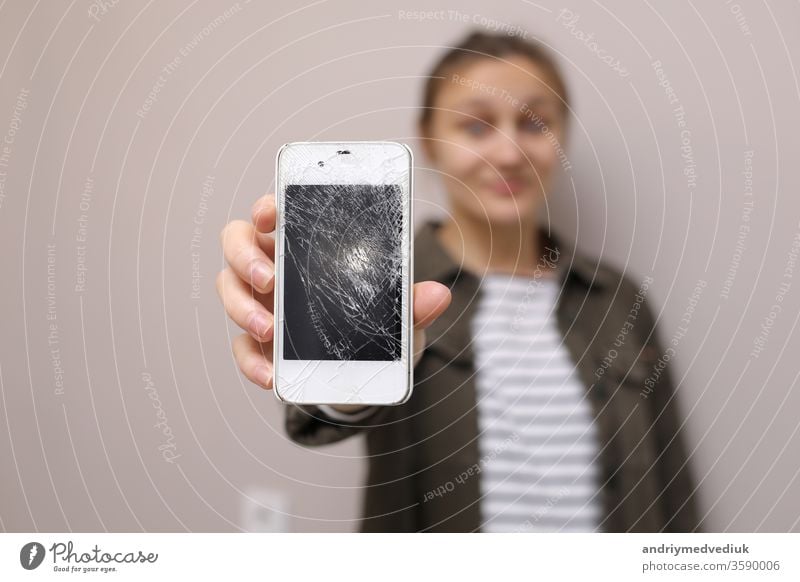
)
(482, 45)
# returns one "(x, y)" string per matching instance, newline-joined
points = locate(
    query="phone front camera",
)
(320, 164)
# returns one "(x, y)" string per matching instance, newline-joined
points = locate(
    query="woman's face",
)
(495, 135)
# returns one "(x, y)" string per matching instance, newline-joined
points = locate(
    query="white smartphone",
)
(344, 272)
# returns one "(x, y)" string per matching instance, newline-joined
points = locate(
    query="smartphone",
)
(344, 272)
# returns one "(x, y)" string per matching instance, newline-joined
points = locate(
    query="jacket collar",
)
(432, 262)
(451, 335)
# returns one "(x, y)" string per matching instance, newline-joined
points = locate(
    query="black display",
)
(342, 285)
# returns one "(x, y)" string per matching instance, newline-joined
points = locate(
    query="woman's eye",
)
(536, 125)
(477, 128)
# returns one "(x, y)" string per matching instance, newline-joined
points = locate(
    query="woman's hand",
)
(246, 287)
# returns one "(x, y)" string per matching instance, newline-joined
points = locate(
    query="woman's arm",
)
(678, 491)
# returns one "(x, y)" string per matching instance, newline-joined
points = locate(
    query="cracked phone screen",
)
(342, 291)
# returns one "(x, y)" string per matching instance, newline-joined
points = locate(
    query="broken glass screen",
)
(342, 287)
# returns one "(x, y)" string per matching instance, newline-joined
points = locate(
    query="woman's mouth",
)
(507, 187)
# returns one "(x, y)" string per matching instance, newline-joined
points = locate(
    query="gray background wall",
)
(105, 225)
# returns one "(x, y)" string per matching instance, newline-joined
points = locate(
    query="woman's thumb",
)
(430, 301)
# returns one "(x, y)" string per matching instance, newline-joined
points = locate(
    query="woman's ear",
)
(565, 125)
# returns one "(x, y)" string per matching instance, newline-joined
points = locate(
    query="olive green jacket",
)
(424, 461)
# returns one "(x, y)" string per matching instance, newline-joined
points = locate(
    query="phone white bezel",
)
(337, 381)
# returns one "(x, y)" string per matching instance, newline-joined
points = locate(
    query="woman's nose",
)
(506, 150)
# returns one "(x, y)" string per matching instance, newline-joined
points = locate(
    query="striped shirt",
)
(538, 443)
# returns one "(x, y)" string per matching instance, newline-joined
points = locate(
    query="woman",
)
(537, 404)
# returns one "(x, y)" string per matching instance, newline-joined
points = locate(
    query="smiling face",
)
(495, 135)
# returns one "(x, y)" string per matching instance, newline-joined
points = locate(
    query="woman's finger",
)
(254, 359)
(246, 256)
(243, 308)
(263, 214)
